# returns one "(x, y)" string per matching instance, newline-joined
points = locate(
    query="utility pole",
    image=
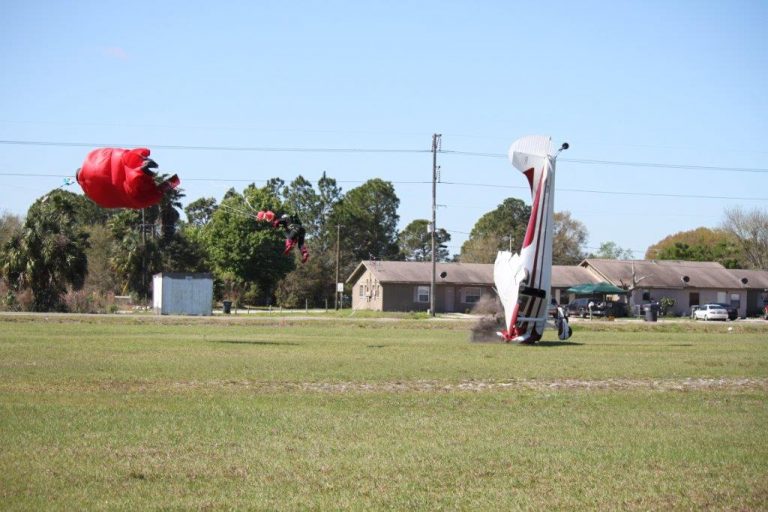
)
(435, 148)
(143, 252)
(336, 284)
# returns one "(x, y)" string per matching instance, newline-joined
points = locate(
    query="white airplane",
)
(523, 280)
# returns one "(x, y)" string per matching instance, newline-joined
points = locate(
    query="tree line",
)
(67, 250)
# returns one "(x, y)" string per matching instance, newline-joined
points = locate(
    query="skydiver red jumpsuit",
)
(295, 231)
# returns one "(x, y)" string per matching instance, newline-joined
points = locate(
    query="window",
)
(471, 295)
(693, 299)
(362, 291)
(422, 294)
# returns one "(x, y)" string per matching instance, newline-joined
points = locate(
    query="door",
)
(449, 298)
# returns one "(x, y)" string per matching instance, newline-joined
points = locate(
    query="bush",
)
(83, 301)
(24, 300)
(665, 303)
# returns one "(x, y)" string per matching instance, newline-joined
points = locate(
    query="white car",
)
(711, 312)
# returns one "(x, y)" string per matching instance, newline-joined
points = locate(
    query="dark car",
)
(733, 313)
(579, 307)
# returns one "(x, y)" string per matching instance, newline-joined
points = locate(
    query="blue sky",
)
(680, 83)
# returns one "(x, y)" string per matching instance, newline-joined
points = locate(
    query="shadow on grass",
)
(630, 344)
(252, 342)
(557, 344)
(547, 344)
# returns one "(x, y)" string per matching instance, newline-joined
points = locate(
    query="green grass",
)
(126, 413)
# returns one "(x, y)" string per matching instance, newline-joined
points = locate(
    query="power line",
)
(610, 192)
(657, 165)
(267, 149)
(222, 180)
(665, 166)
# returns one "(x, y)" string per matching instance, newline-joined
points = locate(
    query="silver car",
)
(711, 312)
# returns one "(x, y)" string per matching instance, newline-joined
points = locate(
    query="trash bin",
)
(227, 306)
(651, 313)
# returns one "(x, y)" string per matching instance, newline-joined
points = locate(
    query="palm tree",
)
(49, 254)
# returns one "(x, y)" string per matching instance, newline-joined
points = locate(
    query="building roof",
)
(651, 273)
(755, 278)
(459, 273)
(565, 276)
(421, 272)
(664, 273)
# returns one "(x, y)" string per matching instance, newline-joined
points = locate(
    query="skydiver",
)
(294, 230)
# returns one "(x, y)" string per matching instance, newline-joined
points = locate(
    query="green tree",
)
(275, 187)
(312, 282)
(750, 229)
(369, 218)
(700, 244)
(101, 276)
(301, 199)
(306, 285)
(496, 230)
(135, 253)
(243, 251)
(200, 211)
(416, 242)
(611, 251)
(329, 194)
(49, 254)
(10, 225)
(149, 241)
(570, 236)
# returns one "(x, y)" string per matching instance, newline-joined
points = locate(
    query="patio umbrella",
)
(595, 288)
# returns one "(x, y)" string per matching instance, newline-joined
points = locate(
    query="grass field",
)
(146, 413)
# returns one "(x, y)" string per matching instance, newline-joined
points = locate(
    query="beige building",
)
(405, 285)
(689, 283)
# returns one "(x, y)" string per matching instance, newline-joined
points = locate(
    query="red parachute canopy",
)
(120, 178)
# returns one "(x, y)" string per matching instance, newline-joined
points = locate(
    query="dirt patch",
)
(417, 386)
(536, 385)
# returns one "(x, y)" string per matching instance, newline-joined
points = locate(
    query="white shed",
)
(179, 293)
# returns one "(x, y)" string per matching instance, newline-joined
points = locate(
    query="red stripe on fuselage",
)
(535, 225)
(530, 230)
(529, 175)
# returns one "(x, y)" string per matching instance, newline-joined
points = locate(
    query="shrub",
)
(665, 303)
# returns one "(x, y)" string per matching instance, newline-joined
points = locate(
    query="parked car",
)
(711, 312)
(733, 313)
(579, 307)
